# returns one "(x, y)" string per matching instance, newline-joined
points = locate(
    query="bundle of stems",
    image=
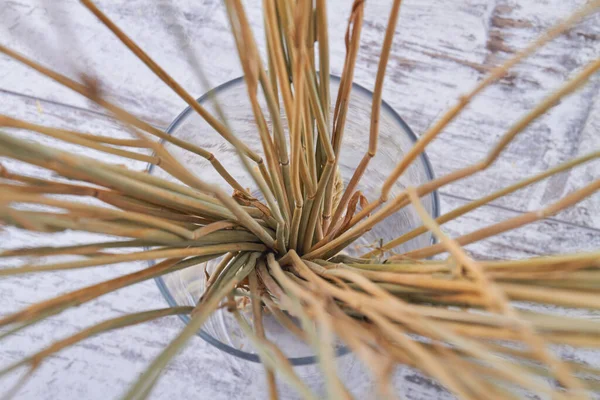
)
(455, 318)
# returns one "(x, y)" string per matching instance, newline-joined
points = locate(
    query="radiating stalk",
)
(484, 200)
(550, 101)
(512, 223)
(122, 114)
(115, 323)
(260, 331)
(353, 32)
(138, 256)
(201, 312)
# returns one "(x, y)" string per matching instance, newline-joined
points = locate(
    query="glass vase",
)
(186, 286)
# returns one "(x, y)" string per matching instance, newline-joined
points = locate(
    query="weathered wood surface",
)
(441, 50)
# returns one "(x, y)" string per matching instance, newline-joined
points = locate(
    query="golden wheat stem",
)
(484, 200)
(251, 63)
(83, 221)
(115, 323)
(137, 256)
(82, 249)
(274, 358)
(510, 267)
(541, 322)
(129, 203)
(549, 102)
(260, 331)
(401, 200)
(57, 304)
(512, 223)
(200, 314)
(286, 25)
(272, 75)
(281, 150)
(309, 149)
(166, 78)
(353, 32)
(321, 338)
(296, 122)
(219, 269)
(375, 112)
(283, 72)
(322, 37)
(37, 185)
(72, 137)
(325, 143)
(227, 272)
(496, 74)
(122, 114)
(97, 172)
(276, 49)
(361, 339)
(426, 361)
(395, 309)
(9, 196)
(497, 299)
(276, 311)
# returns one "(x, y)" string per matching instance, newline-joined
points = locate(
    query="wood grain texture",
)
(441, 50)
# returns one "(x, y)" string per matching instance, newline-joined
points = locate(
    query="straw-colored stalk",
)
(455, 319)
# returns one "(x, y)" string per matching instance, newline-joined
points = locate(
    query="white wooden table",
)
(441, 49)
